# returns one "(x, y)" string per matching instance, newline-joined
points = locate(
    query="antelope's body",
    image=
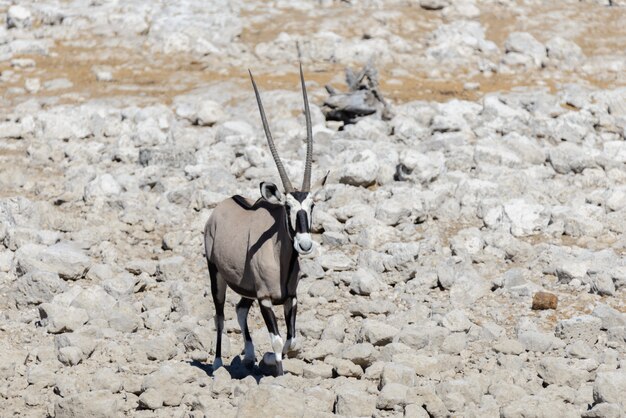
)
(253, 248)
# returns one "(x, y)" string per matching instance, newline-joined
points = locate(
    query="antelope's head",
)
(298, 204)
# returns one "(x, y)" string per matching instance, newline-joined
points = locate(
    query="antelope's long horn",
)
(306, 181)
(270, 141)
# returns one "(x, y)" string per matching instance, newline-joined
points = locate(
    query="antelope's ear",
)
(322, 181)
(318, 193)
(270, 192)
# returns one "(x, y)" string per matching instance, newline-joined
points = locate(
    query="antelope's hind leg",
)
(218, 291)
(243, 307)
(276, 340)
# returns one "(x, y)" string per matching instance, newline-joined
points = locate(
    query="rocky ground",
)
(501, 173)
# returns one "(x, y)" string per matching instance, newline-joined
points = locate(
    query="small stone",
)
(434, 4)
(392, 395)
(557, 371)
(170, 268)
(272, 401)
(415, 410)
(509, 347)
(398, 373)
(160, 348)
(585, 328)
(95, 404)
(19, 17)
(103, 186)
(103, 74)
(62, 318)
(603, 410)
(538, 341)
(70, 356)
(362, 354)
(107, 379)
(312, 371)
(361, 170)
(209, 113)
(610, 317)
(36, 287)
(377, 332)
(456, 321)
(454, 343)
(151, 399)
(32, 85)
(343, 367)
(354, 402)
(364, 282)
(610, 387)
(544, 300)
(579, 349)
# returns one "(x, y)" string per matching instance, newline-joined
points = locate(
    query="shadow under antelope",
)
(253, 248)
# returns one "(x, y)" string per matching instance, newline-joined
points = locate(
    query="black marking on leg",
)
(269, 317)
(291, 310)
(244, 305)
(218, 300)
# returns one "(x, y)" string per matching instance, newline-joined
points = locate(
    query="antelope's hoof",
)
(248, 362)
(271, 364)
(269, 359)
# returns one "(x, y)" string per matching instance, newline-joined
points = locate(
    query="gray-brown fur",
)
(255, 258)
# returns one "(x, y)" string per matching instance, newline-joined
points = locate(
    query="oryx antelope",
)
(253, 247)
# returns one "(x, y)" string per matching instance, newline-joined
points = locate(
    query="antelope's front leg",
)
(291, 309)
(272, 327)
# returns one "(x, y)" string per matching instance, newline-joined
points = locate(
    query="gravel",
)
(496, 177)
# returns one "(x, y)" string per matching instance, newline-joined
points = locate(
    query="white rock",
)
(419, 167)
(61, 318)
(364, 282)
(361, 170)
(610, 317)
(377, 332)
(354, 402)
(209, 113)
(102, 186)
(538, 341)
(70, 356)
(18, 17)
(392, 395)
(526, 218)
(456, 321)
(37, 287)
(272, 400)
(585, 328)
(610, 387)
(96, 301)
(567, 157)
(97, 404)
(566, 53)
(65, 259)
(526, 44)
(397, 373)
(559, 371)
(171, 268)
